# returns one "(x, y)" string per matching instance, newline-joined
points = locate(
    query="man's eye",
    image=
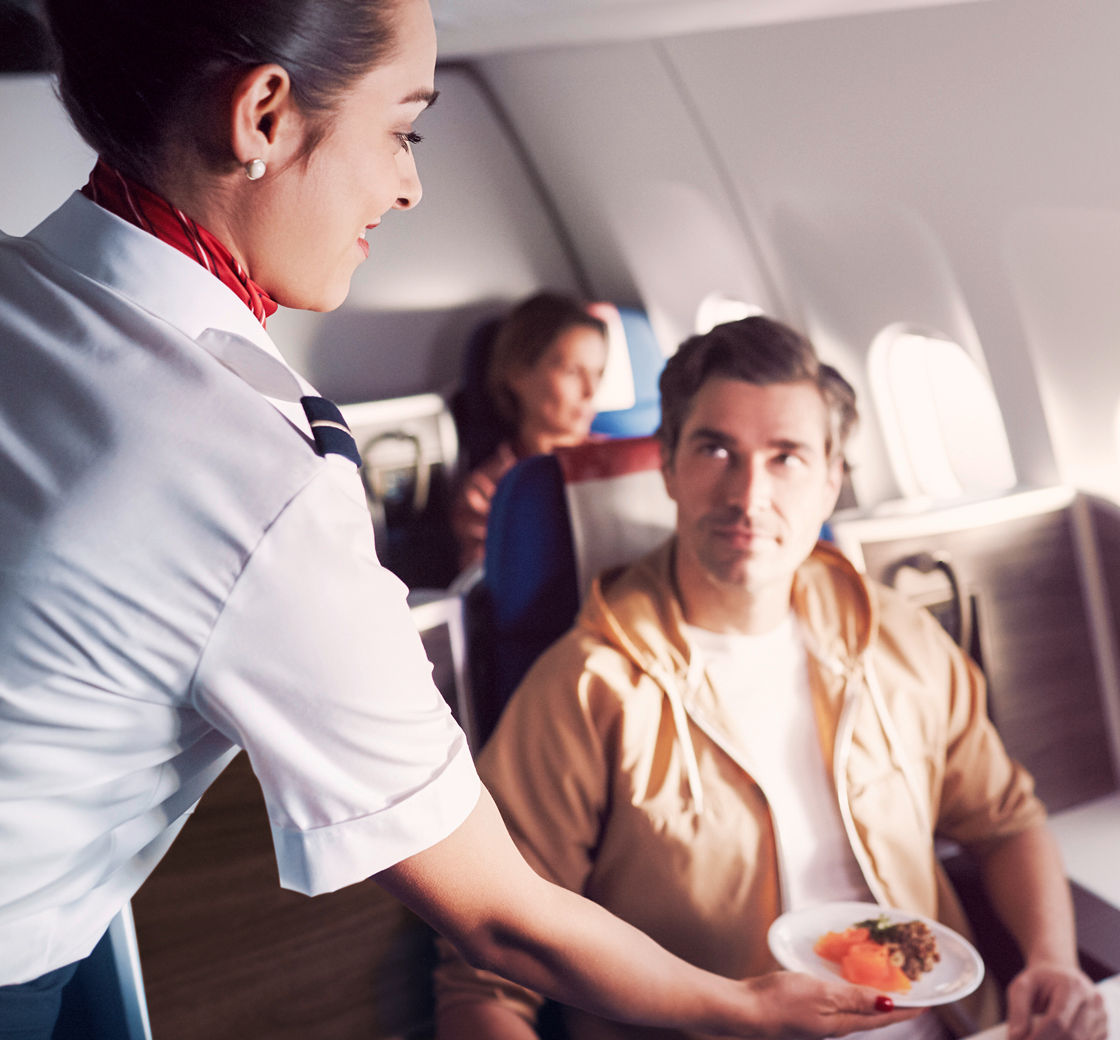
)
(407, 140)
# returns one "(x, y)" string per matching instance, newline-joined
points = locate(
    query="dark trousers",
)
(29, 1010)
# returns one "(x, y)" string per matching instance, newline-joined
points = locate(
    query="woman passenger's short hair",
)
(757, 350)
(136, 74)
(524, 337)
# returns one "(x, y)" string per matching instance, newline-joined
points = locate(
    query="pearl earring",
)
(254, 169)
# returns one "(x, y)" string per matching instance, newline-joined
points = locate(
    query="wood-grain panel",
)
(1106, 528)
(228, 955)
(1034, 643)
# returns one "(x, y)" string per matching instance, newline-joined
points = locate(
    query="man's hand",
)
(1050, 999)
(1054, 1002)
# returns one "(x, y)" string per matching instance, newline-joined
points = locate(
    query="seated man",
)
(741, 724)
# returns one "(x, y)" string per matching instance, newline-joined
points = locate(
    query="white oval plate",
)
(793, 935)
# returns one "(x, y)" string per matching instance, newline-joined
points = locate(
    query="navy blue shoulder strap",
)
(328, 427)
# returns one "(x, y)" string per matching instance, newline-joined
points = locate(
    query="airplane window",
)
(944, 433)
(716, 308)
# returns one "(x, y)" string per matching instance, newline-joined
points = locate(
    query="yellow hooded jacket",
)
(619, 778)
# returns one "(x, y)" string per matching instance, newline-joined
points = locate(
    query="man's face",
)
(753, 484)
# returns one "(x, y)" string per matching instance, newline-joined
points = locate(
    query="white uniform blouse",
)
(182, 574)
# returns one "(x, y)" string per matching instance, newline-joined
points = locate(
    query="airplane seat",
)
(555, 522)
(478, 424)
(105, 998)
(410, 450)
(630, 394)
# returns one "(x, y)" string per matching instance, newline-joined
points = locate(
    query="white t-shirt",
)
(181, 574)
(771, 715)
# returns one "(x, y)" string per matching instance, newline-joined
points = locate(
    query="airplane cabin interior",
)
(929, 190)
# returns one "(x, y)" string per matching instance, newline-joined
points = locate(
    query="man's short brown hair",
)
(757, 350)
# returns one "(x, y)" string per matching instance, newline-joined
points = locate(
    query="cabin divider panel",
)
(1104, 517)
(1031, 634)
(227, 954)
(1106, 528)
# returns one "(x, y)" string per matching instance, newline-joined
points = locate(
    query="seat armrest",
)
(1097, 922)
(995, 944)
(1098, 933)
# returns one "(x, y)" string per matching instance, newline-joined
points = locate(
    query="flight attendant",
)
(186, 561)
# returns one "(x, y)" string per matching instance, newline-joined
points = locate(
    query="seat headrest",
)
(618, 508)
(555, 522)
(629, 397)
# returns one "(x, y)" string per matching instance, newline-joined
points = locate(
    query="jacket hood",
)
(632, 609)
(635, 610)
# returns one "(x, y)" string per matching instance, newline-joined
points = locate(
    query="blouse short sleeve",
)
(316, 668)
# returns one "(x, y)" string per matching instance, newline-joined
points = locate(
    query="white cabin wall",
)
(1065, 264)
(44, 159)
(882, 168)
(634, 179)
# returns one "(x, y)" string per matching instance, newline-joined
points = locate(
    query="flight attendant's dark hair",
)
(134, 74)
(525, 336)
(757, 350)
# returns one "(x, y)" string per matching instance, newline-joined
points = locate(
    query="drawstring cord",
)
(844, 736)
(855, 675)
(680, 722)
(670, 685)
(894, 744)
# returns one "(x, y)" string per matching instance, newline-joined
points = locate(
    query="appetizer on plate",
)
(881, 953)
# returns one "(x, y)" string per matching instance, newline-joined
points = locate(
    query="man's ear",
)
(265, 121)
(833, 484)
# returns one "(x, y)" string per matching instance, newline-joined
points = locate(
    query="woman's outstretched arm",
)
(475, 889)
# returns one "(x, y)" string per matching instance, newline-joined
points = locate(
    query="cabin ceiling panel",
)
(469, 28)
(1063, 264)
(626, 162)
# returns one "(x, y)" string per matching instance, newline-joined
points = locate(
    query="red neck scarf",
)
(147, 210)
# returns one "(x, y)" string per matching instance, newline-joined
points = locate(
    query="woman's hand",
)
(475, 889)
(791, 1005)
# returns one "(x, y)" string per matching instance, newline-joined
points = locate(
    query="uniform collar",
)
(171, 286)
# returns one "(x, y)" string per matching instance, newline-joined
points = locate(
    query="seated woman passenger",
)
(546, 364)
